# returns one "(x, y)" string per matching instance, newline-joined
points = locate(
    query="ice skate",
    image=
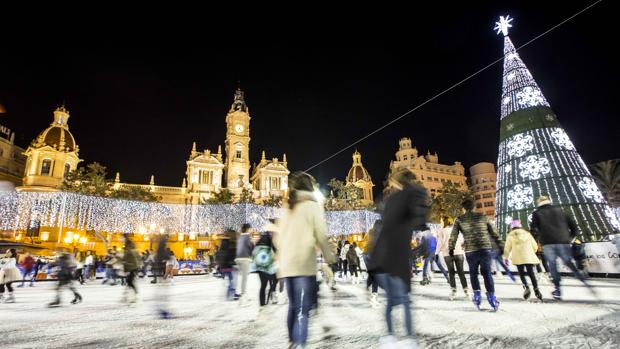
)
(526, 292)
(538, 294)
(493, 302)
(556, 294)
(477, 299)
(466, 293)
(453, 294)
(77, 299)
(10, 298)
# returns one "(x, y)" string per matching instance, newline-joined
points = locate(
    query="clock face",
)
(239, 128)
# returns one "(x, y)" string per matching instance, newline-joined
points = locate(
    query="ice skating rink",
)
(345, 319)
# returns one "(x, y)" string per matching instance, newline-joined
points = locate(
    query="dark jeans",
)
(264, 280)
(65, 281)
(8, 287)
(543, 260)
(481, 259)
(397, 293)
(372, 282)
(26, 273)
(497, 256)
(230, 290)
(131, 277)
(452, 262)
(530, 272)
(344, 267)
(302, 295)
(564, 252)
(353, 269)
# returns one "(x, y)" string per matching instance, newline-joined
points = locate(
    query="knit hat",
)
(515, 224)
(543, 200)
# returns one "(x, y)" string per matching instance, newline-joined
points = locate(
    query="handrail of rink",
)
(24, 210)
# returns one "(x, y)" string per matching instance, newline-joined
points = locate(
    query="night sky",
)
(140, 94)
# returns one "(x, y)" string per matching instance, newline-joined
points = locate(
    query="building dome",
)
(57, 135)
(357, 171)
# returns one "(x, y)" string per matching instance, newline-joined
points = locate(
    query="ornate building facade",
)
(427, 169)
(359, 177)
(12, 160)
(482, 186)
(55, 152)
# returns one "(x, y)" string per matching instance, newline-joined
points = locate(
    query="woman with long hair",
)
(8, 274)
(302, 229)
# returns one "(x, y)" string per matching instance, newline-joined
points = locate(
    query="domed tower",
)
(51, 156)
(359, 177)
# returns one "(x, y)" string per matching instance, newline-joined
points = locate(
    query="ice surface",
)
(344, 320)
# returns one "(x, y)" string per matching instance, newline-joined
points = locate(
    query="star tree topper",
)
(503, 25)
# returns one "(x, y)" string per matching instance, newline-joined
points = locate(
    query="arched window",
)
(67, 170)
(46, 167)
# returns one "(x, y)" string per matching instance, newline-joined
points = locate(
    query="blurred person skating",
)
(343, 257)
(555, 230)
(262, 258)
(132, 262)
(454, 261)
(162, 255)
(225, 259)
(172, 264)
(79, 267)
(8, 274)
(302, 228)
(406, 210)
(38, 267)
(478, 233)
(89, 267)
(243, 260)
(353, 261)
(521, 246)
(371, 280)
(28, 265)
(429, 241)
(66, 271)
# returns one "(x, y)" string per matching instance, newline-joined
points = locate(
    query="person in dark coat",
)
(555, 230)
(406, 210)
(225, 259)
(66, 265)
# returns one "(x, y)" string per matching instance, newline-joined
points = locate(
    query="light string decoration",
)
(24, 210)
(536, 156)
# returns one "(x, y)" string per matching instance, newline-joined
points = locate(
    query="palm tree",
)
(607, 176)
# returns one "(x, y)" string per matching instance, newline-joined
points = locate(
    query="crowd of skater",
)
(293, 254)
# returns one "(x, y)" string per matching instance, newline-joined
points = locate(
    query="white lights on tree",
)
(508, 168)
(530, 97)
(520, 196)
(534, 167)
(609, 213)
(560, 138)
(590, 190)
(519, 145)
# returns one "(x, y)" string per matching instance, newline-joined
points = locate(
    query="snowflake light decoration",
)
(508, 168)
(530, 97)
(534, 167)
(560, 138)
(520, 197)
(590, 190)
(503, 25)
(612, 217)
(519, 145)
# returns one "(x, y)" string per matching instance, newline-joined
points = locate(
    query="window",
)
(487, 195)
(46, 167)
(206, 177)
(404, 157)
(477, 197)
(274, 183)
(486, 187)
(238, 151)
(238, 154)
(478, 205)
(489, 204)
(67, 170)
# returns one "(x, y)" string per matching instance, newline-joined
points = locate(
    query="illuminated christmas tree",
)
(536, 156)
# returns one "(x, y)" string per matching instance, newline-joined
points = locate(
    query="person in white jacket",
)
(8, 274)
(455, 261)
(302, 229)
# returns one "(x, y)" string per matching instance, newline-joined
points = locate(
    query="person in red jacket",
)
(28, 266)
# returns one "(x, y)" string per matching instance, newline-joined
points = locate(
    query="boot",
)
(538, 294)
(526, 292)
(493, 301)
(556, 294)
(55, 303)
(10, 298)
(77, 299)
(466, 292)
(477, 299)
(453, 294)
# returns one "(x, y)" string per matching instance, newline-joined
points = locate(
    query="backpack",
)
(263, 258)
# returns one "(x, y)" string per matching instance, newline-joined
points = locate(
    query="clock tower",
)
(237, 144)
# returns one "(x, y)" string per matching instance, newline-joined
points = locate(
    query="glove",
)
(451, 252)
